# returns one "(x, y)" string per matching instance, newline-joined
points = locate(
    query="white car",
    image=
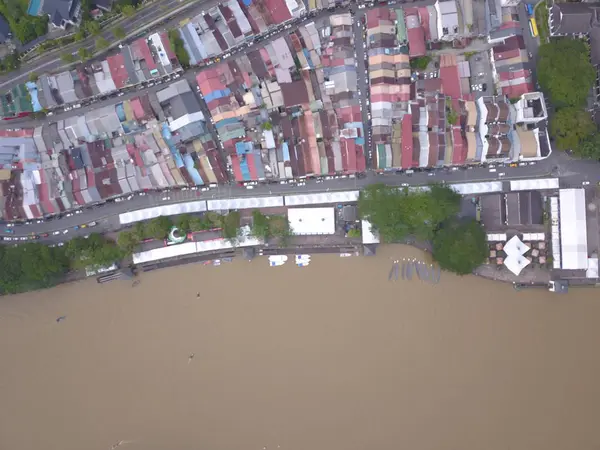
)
(502, 174)
(404, 185)
(60, 244)
(56, 233)
(79, 211)
(283, 182)
(65, 231)
(454, 169)
(24, 238)
(70, 215)
(141, 194)
(184, 189)
(166, 198)
(492, 170)
(39, 221)
(249, 187)
(194, 188)
(204, 189)
(585, 183)
(10, 224)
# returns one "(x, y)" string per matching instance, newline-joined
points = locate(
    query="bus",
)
(533, 27)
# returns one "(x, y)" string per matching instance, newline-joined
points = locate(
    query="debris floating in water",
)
(60, 319)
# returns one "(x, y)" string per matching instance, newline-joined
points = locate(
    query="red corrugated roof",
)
(508, 54)
(416, 42)
(407, 144)
(164, 37)
(459, 154)
(450, 81)
(237, 171)
(505, 76)
(278, 10)
(361, 163)
(518, 90)
(116, 64)
(141, 51)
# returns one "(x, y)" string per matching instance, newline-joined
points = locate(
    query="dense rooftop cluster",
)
(290, 109)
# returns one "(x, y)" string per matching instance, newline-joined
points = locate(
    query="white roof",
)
(186, 119)
(516, 263)
(325, 197)
(534, 236)
(166, 210)
(534, 184)
(573, 229)
(554, 214)
(368, 237)
(515, 247)
(312, 220)
(189, 248)
(244, 203)
(477, 188)
(498, 237)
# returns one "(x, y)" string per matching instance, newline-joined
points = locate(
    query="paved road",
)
(151, 13)
(572, 173)
(359, 27)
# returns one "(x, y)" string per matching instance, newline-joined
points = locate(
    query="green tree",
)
(260, 225)
(420, 62)
(79, 35)
(33, 76)
(119, 32)
(199, 224)
(128, 10)
(30, 266)
(159, 227)
(398, 214)
(570, 127)
(460, 247)
(94, 251)
(178, 47)
(93, 28)
(231, 225)
(83, 53)
(183, 222)
(564, 71)
(67, 57)
(101, 43)
(139, 230)
(128, 241)
(589, 148)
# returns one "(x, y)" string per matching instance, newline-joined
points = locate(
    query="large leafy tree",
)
(95, 251)
(590, 148)
(460, 247)
(30, 266)
(564, 71)
(159, 227)
(399, 213)
(128, 241)
(570, 127)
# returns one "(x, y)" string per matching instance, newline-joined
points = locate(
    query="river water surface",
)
(330, 356)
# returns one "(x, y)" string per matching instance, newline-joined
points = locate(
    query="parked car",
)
(54, 233)
(65, 231)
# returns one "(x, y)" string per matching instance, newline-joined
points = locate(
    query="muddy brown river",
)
(326, 357)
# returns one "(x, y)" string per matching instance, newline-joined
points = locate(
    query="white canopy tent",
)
(516, 263)
(515, 247)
